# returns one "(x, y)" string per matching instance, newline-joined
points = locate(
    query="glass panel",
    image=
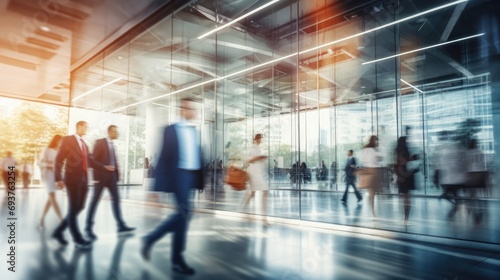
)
(316, 79)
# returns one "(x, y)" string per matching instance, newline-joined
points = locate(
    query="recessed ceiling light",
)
(120, 57)
(45, 28)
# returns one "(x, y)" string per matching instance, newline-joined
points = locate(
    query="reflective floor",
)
(464, 219)
(220, 247)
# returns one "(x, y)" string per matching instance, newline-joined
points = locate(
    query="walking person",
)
(73, 155)
(26, 170)
(257, 175)
(46, 163)
(179, 169)
(371, 162)
(406, 176)
(350, 178)
(7, 162)
(104, 152)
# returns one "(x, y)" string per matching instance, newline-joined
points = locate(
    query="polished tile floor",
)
(224, 247)
(466, 219)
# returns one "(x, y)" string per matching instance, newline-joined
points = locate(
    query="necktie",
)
(112, 157)
(84, 156)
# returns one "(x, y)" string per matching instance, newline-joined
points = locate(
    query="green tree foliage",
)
(29, 129)
(285, 151)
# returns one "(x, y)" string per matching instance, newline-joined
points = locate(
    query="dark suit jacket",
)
(166, 168)
(102, 154)
(69, 152)
(349, 170)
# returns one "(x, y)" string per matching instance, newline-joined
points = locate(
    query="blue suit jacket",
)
(349, 170)
(166, 169)
(102, 154)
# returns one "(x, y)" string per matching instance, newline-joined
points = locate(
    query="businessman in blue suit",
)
(104, 152)
(179, 169)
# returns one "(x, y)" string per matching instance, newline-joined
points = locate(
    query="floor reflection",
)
(221, 247)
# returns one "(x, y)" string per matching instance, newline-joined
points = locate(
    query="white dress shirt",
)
(189, 153)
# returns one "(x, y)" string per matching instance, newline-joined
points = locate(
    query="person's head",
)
(258, 138)
(54, 143)
(81, 128)
(303, 164)
(373, 143)
(401, 144)
(112, 132)
(188, 108)
(350, 153)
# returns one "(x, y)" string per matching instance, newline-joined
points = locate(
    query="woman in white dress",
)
(257, 175)
(46, 164)
(371, 159)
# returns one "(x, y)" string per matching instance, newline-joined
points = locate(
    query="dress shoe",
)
(182, 268)
(343, 201)
(91, 235)
(359, 199)
(125, 229)
(83, 244)
(145, 249)
(60, 239)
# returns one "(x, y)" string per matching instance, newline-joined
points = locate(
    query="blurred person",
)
(333, 171)
(104, 152)
(323, 174)
(477, 171)
(26, 171)
(350, 177)
(452, 169)
(305, 173)
(73, 156)
(370, 160)
(294, 174)
(257, 175)
(8, 161)
(405, 175)
(179, 169)
(46, 163)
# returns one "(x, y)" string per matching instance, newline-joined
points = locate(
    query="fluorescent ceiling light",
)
(411, 86)
(237, 19)
(385, 25)
(97, 88)
(171, 107)
(265, 105)
(162, 96)
(294, 54)
(425, 48)
(303, 96)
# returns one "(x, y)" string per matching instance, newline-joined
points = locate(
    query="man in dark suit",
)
(350, 177)
(74, 156)
(104, 152)
(179, 169)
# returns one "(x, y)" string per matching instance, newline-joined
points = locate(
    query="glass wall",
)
(316, 79)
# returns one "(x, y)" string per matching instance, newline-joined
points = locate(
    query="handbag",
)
(236, 178)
